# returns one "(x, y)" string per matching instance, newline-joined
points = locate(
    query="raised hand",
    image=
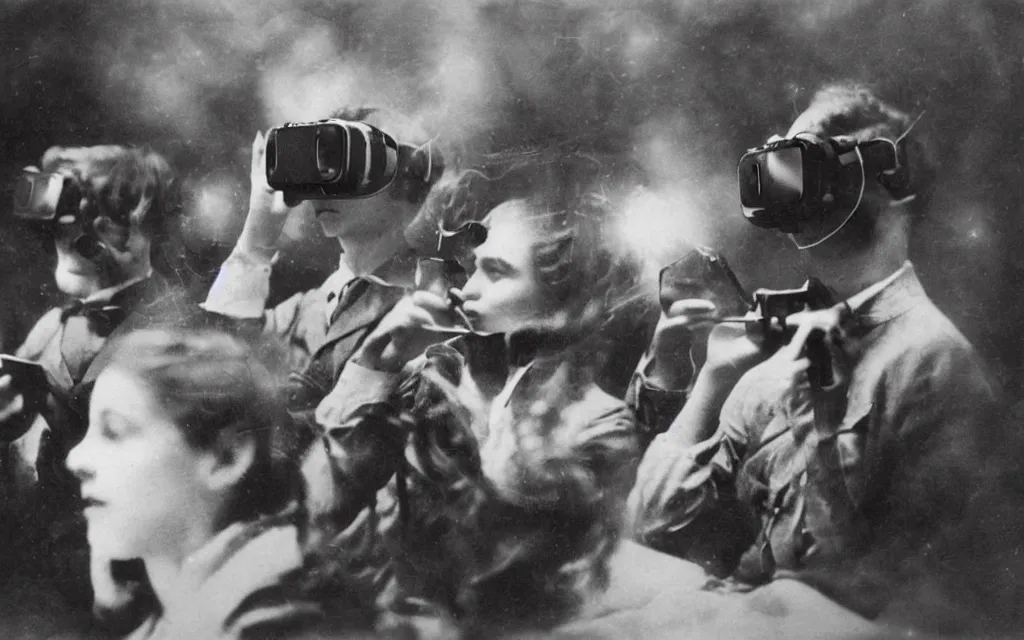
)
(267, 209)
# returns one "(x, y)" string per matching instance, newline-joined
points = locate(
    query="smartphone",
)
(703, 274)
(439, 277)
(27, 378)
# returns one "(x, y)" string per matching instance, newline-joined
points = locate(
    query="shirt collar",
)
(889, 297)
(396, 272)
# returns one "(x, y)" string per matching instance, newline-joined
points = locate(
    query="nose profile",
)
(472, 289)
(77, 461)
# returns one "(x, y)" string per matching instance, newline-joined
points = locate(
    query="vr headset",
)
(340, 159)
(44, 196)
(787, 183)
(57, 199)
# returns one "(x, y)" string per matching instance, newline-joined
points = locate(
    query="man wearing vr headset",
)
(110, 210)
(836, 481)
(380, 238)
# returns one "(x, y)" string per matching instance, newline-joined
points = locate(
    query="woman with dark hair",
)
(179, 467)
(508, 503)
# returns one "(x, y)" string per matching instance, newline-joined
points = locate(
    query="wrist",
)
(722, 374)
(261, 231)
(255, 247)
(716, 383)
(669, 378)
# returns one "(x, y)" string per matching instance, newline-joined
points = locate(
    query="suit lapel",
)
(154, 301)
(365, 310)
(53, 362)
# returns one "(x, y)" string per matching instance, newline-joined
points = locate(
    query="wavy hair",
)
(129, 185)
(473, 552)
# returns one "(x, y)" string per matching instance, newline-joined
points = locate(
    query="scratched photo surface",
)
(660, 98)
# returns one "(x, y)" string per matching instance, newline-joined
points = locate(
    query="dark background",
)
(680, 88)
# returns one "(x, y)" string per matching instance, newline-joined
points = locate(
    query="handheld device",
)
(702, 273)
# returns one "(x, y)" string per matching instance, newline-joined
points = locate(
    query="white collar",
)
(858, 300)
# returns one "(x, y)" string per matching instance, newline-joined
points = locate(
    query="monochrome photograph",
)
(512, 319)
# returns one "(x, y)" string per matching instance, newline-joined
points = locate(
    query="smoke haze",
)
(679, 88)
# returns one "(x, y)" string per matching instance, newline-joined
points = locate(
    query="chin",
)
(328, 231)
(104, 543)
(77, 285)
(330, 224)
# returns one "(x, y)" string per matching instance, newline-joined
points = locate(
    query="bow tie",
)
(100, 312)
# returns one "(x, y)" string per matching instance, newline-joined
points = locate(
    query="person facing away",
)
(125, 214)
(844, 486)
(180, 468)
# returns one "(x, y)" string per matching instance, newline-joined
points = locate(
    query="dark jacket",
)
(41, 496)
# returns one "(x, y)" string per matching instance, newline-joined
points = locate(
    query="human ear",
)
(112, 234)
(230, 458)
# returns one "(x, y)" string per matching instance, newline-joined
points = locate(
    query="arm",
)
(685, 504)
(659, 386)
(359, 452)
(14, 419)
(242, 285)
(684, 501)
(654, 406)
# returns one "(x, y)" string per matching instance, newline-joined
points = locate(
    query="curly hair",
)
(127, 184)
(467, 549)
(591, 282)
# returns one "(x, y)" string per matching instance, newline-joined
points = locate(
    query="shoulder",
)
(40, 335)
(924, 347)
(598, 415)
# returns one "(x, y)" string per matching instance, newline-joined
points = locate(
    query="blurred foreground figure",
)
(111, 211)
(180, 468)
(507, 476)
(842, 457)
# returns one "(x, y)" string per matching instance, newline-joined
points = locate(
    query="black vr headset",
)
(56, 199)
(341, 159)
(786, 183)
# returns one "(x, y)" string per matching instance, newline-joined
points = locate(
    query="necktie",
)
(348, 295)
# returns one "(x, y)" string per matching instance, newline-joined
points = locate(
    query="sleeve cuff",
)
(643, 371)
(357, 386)
(242, 286)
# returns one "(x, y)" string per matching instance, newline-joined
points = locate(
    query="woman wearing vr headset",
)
(507, 506)
(839, 483)
(111, 210)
